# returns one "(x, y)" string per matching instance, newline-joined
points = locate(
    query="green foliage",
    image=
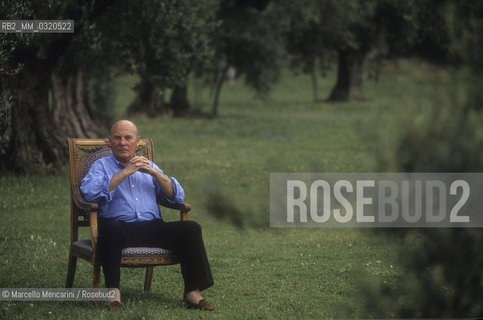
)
(8, 42)
(318, 26)
(165, 38)
(31, 48)
(319, 30)
(249, 38)
(308, 36)
(160, 41)
(449, 32)
(440, 272)
(443, 137)
(441, 268)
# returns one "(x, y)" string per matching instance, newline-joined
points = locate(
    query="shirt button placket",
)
(133, 191)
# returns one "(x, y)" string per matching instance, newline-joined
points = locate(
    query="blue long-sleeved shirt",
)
(135, 199)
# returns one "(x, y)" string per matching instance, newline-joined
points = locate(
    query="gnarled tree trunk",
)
(179, 100)
(349, 76)
(313, 76)
(220, 79)
(71, 112)
(33, 142)
(144, 100)
(38, 132)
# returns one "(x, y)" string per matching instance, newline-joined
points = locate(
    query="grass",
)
(259, 272)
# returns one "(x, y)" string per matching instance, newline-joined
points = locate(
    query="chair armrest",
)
(183, 207)
(94, 236)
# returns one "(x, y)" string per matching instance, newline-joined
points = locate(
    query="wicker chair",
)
(82, 154)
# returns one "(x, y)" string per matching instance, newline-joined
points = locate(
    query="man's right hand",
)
(120, 176)
(139, 163)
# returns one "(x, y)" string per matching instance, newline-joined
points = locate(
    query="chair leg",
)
(149, 277)
(96, 278)
(69, 282)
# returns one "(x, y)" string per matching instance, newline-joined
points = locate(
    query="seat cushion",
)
(146, 252)
(85, 247)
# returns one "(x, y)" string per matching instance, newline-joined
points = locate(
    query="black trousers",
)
(182, 237)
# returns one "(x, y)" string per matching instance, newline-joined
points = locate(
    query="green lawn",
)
(259, 272)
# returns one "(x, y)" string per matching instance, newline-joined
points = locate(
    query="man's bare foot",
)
(194, 300)
(115, 304)
(193, 296)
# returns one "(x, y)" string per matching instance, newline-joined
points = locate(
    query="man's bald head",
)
(125, 124)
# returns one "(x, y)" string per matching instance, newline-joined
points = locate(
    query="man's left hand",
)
(142, 164)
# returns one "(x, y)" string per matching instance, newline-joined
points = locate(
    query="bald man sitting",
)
(126, 187)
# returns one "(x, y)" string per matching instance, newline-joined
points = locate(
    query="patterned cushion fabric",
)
(85, 246)
(93, 158)
(146, 252)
